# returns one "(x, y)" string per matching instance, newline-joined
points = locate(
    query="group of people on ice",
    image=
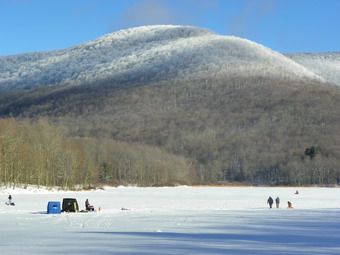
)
(88, 206)
(270, 201)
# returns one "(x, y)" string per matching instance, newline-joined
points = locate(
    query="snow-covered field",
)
(181, 220)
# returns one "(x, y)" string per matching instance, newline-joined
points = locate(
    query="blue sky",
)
(282, 25)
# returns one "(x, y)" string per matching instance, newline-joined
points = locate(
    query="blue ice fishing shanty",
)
(53, 207)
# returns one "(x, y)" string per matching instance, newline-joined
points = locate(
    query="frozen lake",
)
(181, 220)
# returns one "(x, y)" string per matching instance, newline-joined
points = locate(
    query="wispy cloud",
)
(148, 12)
(252, 12)
(154, 12)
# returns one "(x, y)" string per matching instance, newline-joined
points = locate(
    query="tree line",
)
(40, 154)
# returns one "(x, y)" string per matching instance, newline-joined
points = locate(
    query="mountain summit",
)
(164, 105)
(147, 54)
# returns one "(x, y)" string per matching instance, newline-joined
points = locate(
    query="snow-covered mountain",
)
(145, 54)
(326, 65)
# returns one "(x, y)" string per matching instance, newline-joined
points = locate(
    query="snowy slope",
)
(181, 220)
(326, 65)
(147, 54)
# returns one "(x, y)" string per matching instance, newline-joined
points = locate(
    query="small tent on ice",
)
(70, 205)
(53, 207)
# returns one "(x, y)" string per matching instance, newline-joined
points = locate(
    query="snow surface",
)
(145, 54)
(180, 220)
(326, 65)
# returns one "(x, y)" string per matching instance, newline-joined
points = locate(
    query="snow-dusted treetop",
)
(145, 54)
(326, 65)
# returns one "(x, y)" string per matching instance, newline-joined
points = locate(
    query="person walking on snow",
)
(9, 199)
(277, 201)
(270, 201)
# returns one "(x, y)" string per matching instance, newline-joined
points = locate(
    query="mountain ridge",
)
(326, 64)
(149, 53)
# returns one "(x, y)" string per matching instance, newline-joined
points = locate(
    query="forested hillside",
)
(256, 131)
(168, 105)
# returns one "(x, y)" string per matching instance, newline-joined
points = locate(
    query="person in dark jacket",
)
(277, 202)
(270, 201)
(87, 205)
